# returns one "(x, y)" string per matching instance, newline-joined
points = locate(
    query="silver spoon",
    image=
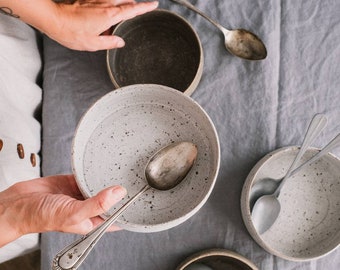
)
(166, 169)
(238, 42)
(267, 208)
(268, 185)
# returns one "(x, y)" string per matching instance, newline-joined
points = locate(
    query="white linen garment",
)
(20, 98)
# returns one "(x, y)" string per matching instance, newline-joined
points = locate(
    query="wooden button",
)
(33, 160)
(20, 150)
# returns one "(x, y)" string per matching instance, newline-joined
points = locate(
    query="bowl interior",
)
(160, 48)
(118, 135)
(308, 224)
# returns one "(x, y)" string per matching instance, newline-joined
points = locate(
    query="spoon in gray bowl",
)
(165, 170)
(238, 42)
(268, 186)
(267, 208)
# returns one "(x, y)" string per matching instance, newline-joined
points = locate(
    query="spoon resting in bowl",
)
(238, 42)
(268, 185)
(165, 170)
(267, 208)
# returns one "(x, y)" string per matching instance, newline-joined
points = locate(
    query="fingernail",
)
(120, 43)
(87, 225)
(153, 3)
(119, 192)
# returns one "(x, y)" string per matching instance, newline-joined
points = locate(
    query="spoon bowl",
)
(244, 44)
(239, 42)
(169, 166)
(261, 188)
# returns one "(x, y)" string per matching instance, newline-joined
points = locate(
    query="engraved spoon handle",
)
(73, 255)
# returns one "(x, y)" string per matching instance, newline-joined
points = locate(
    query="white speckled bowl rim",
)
(245, 207)
(192, 124)
(216, 252)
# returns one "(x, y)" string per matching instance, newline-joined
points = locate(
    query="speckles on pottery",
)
(1, 144)
(308, 224)
(127, 133)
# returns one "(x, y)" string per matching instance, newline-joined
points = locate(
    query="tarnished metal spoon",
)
(238, 42)
(267, 208)
(166, 169)
(267, 186)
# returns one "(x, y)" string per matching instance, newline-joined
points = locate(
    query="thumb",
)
(107, 42)
(100, 203)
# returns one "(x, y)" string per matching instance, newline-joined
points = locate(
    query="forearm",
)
(41, 14)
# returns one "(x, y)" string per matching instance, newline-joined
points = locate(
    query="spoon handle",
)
(315, 127)
(192, 7)
(329, 147)
(73, 255)
(317, 124)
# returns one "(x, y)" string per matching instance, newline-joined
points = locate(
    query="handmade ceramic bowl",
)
(308, 224)
(117, 136)
(162, 48)
(216, 259)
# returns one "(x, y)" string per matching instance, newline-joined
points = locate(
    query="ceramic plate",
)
(216, 259)
(308, 224)
(121, 131)
(162, 48)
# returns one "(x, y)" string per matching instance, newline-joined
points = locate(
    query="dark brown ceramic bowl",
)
(160, 48)
(216, 259)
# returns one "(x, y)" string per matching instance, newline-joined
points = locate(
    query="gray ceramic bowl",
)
(308, 224)
(216, 259)
(121, 131)
(162, 48)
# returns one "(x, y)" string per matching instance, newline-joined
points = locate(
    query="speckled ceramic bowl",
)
(216, 259)
(162, 48)
(122, 130)
(308, 225)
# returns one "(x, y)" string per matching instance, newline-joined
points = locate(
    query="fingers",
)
(119, 13)
(123, 2)
(129, 11)
(87, 225)
(83, 215)
(101, 203)
(109, 42)
(98, 220)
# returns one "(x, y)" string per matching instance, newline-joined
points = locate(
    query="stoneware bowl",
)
(308, 224)
(122, 130)
(162, 48)
(216, 259)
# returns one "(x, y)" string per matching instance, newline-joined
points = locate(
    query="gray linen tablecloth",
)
(256, 107)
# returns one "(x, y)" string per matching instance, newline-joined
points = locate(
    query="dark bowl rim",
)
(216, 252)
(192, 87)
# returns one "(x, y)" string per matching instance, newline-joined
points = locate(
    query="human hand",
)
(52, 203)
(81, 25)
